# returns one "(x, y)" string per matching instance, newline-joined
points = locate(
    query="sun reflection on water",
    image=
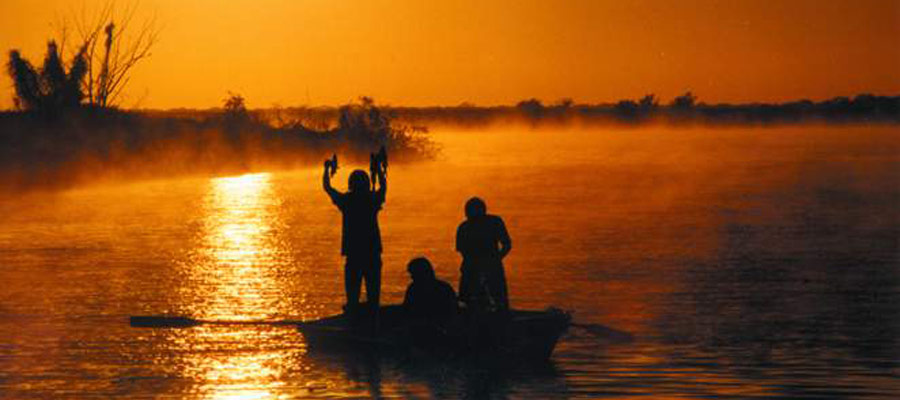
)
(236, 272)
(236, 265)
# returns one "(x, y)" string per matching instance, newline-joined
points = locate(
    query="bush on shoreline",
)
(88, 143)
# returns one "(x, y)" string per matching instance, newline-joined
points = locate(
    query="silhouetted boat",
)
(530, 335)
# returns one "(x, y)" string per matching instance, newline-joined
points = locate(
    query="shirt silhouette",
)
(360, 234)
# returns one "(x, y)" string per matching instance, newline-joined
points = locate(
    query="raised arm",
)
(326, 184)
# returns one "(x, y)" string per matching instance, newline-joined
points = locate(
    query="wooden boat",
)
(518, 335)
(513, 336)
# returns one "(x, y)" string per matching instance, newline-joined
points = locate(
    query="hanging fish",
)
(378, 162)
(332, 164)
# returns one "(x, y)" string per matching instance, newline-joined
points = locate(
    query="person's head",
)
(475, 207)
(420, 269)
(358, 181)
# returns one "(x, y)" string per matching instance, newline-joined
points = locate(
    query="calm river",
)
(759, 262)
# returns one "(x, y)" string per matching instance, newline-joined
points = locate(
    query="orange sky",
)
(414, 52)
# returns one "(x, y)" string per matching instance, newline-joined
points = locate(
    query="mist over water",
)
(747, 262)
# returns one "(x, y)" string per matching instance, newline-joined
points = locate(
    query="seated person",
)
(427, 297)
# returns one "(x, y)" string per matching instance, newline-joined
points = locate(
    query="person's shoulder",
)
(411, 288)
(445, 286)
(494, 219)
(340, 198)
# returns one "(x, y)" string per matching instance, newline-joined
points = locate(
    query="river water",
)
(746, 262)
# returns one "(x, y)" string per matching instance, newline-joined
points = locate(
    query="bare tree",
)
(113, 44)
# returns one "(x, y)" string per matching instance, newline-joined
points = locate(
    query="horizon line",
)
(546, 103)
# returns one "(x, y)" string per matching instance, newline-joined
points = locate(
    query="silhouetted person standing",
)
(360, 236)
(428, 298)
(483, 242)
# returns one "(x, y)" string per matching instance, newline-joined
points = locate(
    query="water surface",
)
(747, 263)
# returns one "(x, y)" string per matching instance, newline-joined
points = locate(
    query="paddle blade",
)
(605, 332)
(161, 321)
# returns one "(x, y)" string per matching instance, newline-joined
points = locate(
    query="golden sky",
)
(414, 52)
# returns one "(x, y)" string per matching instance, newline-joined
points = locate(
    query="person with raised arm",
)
(360, 235)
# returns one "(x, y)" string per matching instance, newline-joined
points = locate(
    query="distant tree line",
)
(683, 109)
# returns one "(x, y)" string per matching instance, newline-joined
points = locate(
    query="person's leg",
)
(496, 285)
(372, 275)
(471, 291)
(464, 284)
(352, 281)
(502, 290)
(371, 272)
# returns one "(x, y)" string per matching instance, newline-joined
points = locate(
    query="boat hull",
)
(517, 335)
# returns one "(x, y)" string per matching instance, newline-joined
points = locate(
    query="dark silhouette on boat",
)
(522, 335)
(483, 242)
(428, 298)
(429, 321)
(360, 235)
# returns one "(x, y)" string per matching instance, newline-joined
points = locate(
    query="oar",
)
(605, 332)
(172, 321)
